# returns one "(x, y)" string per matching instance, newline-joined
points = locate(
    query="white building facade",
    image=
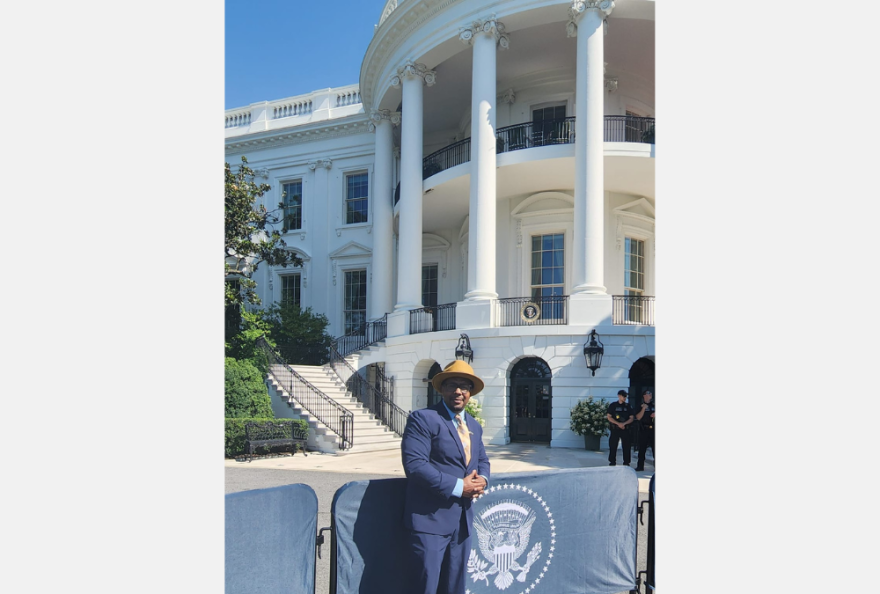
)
(494, 155)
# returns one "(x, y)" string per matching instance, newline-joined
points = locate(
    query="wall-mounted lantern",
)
(463, 351)
(593, 351)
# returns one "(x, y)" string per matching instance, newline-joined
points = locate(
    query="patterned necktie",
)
(465, 438)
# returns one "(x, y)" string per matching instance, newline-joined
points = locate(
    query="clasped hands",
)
(473, 486)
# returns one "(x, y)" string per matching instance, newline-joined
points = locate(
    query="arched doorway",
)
(433, 395)
(531, 401)
(641, 378)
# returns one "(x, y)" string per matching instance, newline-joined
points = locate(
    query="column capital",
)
(377, 115)
(489, 26)
(411, 69)
(579, 8)
(325, 163)
(508, 97)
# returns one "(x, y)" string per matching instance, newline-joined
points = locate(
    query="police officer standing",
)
(645, 416)
(619, 416)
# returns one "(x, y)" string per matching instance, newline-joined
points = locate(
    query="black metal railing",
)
(535, 134)
(629, 129)
(432, 319)
(447, 157)
(362, 336)
(324, 409)
(633, 310)
(514, 311)
(383, 383)
(373, 399)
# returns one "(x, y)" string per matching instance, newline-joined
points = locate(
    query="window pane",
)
(557, 241)
(557, 276)
(547, 243)
(546, 276)
(558, 258)
(536, 243)
(547, 259)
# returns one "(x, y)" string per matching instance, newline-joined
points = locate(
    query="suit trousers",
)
(438, 561)
(618, 435)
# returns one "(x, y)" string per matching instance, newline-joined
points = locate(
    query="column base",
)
(473, 314)
(480, 295)
(588, 309)
(398, 324)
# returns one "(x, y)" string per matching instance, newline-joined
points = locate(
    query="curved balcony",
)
(536, 134)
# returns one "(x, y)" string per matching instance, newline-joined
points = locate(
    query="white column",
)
(484, 35)
(409, 269)
(587, 23)
(383, 232)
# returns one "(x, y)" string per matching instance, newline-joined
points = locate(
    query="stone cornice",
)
(299, 134)
(488, 26)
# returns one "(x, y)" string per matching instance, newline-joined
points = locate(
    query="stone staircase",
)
(369, 433)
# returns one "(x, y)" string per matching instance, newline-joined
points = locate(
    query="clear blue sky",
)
(280, 48)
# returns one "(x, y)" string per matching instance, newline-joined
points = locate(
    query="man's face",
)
(621, 398)
(456, 392)
(647, 397)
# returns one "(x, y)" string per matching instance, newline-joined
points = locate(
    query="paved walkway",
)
(514, 457)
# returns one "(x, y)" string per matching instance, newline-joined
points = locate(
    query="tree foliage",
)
(299, 334)
(251, 238)
(246, 393)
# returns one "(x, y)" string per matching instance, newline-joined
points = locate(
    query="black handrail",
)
(531, 134)
(432, 319)
(375, 401)
(327, 411)
(362, 336)
(553, 311)
(636, 310)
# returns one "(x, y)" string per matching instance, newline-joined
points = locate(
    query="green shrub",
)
(300, 334)
(588, 417)
(246, 392)
(235, 437)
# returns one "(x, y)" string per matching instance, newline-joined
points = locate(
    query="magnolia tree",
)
(251, 237)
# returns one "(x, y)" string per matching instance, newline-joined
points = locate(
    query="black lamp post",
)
(463, 351)
(593, 352)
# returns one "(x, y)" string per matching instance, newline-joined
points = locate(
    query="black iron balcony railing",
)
(327, 411)
(514, 311)
(432, 319)
(633, 310)
(535, 134)
(362, 336)
(374, 398)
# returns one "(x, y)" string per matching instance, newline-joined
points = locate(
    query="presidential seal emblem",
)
(530, 312)
(510, 554)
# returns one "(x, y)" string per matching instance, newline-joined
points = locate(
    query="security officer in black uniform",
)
(645, 416)
(619, 416)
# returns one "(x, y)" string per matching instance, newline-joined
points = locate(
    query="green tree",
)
(246, 393)
(299, 334)
(251, 238)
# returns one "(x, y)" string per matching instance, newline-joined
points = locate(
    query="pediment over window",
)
(351, 250)
(302, 254)
(638, 209)
(544, 203)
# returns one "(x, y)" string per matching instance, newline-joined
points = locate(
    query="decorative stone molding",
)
(325, 163)
(377, 115)
(519, 233)
(263, 172)
(489, 26)
(580, 7)
(611, 84)
(412, 69)
(508, 97)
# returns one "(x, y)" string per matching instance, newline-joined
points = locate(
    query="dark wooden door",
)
(531, 402)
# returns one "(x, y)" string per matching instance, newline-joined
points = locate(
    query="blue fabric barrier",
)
(270, 540)
(554, 532)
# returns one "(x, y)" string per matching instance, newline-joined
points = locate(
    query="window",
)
(290, 289)
(357, 190)
(548, 265)
(292, 200)
(429, 285)
(634, 278)
(548, 124)
(355, 300)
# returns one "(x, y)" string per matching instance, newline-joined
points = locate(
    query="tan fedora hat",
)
(458, 369)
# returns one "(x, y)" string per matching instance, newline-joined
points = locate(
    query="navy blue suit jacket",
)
(433, 460)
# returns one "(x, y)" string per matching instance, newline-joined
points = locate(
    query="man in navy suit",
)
(446, 467)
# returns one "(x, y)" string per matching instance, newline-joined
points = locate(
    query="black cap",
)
(619, 392)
